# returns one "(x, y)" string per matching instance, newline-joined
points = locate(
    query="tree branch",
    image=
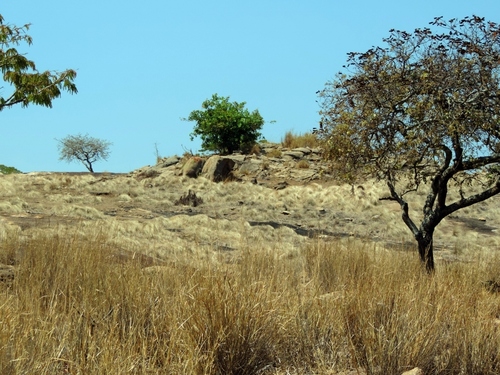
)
(473, 199)
(404, 207)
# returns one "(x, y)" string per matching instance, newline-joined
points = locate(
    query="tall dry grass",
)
(74, 308)
(292, 140)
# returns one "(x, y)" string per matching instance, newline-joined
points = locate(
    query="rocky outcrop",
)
(193, 167)
(272, 165)
(218, 168)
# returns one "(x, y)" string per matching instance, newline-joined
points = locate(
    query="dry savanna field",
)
(108, 274)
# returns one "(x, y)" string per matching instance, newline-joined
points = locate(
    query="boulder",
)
(193, 167)
(304, 150)
(293, 154)
(172, 160)
(236, 158)
(217, 168)
(250, 166)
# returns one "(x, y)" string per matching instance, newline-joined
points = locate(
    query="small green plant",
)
(8, 170)
(225, 127)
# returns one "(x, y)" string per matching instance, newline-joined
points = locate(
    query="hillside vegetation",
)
(105, 274)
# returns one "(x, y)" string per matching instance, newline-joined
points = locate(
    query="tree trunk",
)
(426, 251)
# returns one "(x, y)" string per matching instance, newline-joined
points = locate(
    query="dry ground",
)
(255, 282)
(141, 215)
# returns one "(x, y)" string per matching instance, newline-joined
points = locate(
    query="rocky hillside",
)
(212, 208)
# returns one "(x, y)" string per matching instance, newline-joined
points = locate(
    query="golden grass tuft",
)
(303, 164)
(75, 307)
(291, 140)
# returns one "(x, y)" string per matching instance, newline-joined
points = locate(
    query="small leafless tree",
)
(84, 148)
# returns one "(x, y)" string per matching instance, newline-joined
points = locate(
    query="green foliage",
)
(8, 170)
(83, 148)
(425, 108)
(29, 85)
(224, 126)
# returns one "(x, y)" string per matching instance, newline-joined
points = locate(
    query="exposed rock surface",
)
(217, 168)
(159, 210)
(192, 167)
(271, 166)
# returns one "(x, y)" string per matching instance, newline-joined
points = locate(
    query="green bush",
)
(225, 127)
(8, 170)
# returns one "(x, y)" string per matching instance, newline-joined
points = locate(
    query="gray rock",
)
(193, 167)
(293, 154)
(249, 167)
(172, 160)
(218, 168)
(236, 158)
(304, 150)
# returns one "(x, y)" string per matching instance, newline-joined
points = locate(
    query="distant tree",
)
(224, 126)
(84, 148)
(29, 85)
(425, 108)
(8, 170)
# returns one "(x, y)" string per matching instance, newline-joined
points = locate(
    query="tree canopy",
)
(83, 148)
(423, 108)
(29, 85)
(224, 126)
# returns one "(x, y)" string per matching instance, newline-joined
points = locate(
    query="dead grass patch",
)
(291, 140)
(330, 307)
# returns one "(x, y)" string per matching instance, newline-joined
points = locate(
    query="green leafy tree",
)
(29, 85)
(8, 170)
(224, 126)
(83, 148)
(423, 112)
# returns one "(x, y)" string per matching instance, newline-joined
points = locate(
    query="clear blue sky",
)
(142, 66)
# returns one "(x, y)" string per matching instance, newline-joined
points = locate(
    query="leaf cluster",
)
(427, 102)
(29, 85)
(225, 126)
(8, 170)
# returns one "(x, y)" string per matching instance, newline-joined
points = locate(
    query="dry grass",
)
(226, 297)
(291, 140)
(274, 153)
(74, 309)
(303, 164)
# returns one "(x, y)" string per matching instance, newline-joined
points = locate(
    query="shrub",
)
(225, 127)
(8, 170)
(189, 199)
(303, 164)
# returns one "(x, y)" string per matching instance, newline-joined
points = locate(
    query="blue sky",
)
(142, 66)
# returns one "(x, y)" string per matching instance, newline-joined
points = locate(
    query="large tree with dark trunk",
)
(421, 112)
